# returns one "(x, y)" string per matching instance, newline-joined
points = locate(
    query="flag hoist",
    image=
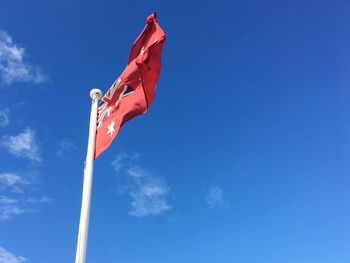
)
(130, 95)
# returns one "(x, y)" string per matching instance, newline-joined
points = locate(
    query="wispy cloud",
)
(124, 160)
(12, 181)
(65, 147)
(25, 144)
(13, 65)
(8, 257)
(149, 196)
(4, 117)
(214, 198)
(17, 197)
(148, 193)
(10, 207)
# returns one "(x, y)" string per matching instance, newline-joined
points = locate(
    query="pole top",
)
(95, 94)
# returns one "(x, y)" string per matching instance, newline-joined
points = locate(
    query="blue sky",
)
(243, 156)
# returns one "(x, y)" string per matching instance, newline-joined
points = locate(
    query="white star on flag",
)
(111, 128)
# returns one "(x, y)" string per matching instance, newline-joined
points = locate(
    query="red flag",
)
(133, 92)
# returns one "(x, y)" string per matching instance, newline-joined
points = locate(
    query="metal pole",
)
(80, 256)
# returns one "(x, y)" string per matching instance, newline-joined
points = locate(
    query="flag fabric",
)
(133, 92)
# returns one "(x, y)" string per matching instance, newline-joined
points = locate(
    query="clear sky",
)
(242, 157)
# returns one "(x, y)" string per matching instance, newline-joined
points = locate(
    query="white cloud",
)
(13, 66)
(136, 172)
(10, 207)
(15, 200)
(25, 144)
(149, 196)
(12, 181)
(8, 257)
(123, 160)
(42, 200)
(215, 198)
(14, 187)
(148, 193)
(4, 117)
(65, 146)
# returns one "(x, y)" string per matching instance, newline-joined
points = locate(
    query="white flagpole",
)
(80, 256)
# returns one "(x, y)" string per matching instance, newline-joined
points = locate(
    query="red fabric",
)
(133, 92)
